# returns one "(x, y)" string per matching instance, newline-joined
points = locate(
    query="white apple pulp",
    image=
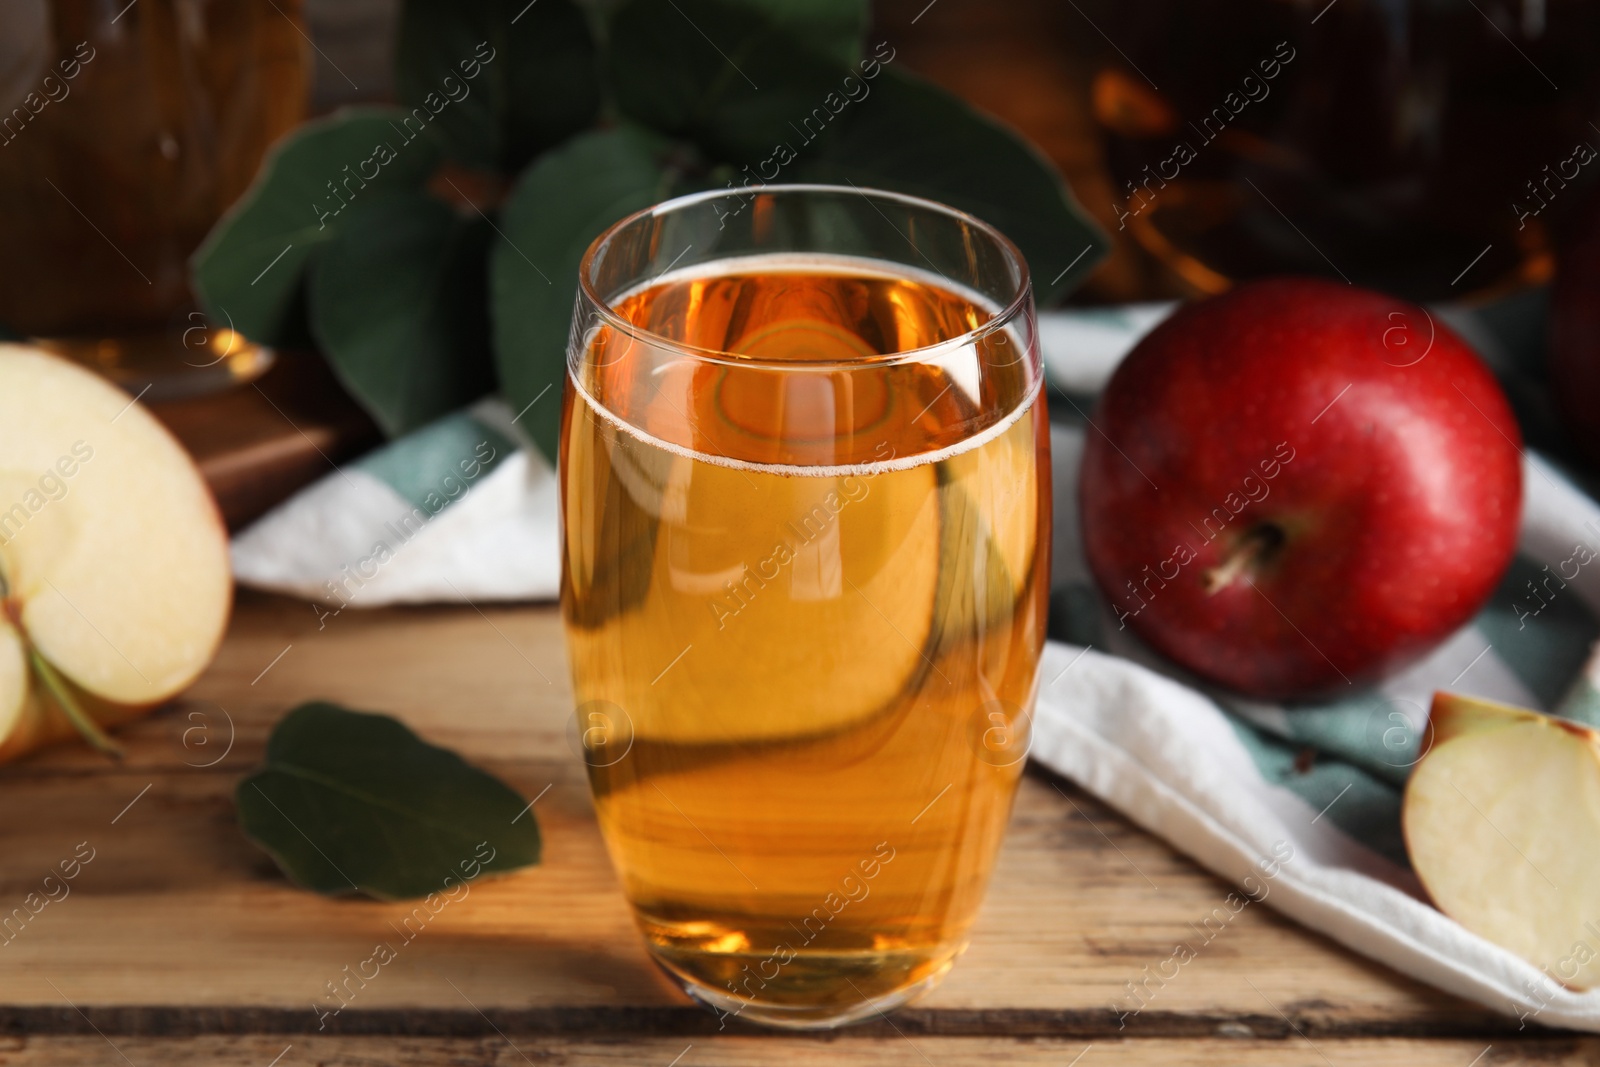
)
(112, 554)
(1502, 823)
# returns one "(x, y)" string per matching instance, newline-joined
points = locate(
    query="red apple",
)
(1298, 487)
(1575, 335)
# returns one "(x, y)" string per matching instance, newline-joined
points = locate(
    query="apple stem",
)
(62, 695)
(1256, 546)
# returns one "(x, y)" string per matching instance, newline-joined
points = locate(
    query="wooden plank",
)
(179, 925)
(496, 1050)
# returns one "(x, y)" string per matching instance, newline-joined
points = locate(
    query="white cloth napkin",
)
(462, 510)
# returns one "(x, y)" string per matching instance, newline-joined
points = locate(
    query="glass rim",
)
(999, 321)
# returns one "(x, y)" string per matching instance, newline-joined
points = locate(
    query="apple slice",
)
(1502, 823)
(114, 575)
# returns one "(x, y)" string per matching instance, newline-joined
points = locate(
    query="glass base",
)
(797, 1016)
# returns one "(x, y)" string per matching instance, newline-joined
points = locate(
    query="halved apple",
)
(114, 576)
(1502, 823)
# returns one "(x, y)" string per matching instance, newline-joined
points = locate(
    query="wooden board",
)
(180, 929)
(258, 443)
(499, 1050)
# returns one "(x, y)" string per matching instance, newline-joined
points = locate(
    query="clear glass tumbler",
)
(806, 506)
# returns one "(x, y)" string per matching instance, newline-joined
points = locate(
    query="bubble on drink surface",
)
(1000, 733)
(1398, 730)
(600, 733)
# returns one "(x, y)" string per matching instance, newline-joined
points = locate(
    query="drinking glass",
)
(806, 510)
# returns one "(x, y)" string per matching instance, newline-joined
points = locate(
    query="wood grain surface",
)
(511, 1050)
(182, 938)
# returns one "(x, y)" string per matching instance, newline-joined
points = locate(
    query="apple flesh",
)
(115, 585)
(1299, 486)
(1502, 823)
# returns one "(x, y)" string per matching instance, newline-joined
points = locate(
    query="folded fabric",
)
(1299, 807)
(462, 509)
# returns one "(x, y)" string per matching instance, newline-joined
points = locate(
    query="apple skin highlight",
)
(1299, 487)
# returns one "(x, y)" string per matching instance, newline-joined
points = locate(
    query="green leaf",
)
(560, 205)
(735, 76)
(911, 137)
(399, 304)
(833, 29)
(351, 802)
(507, 78)
(247, 273)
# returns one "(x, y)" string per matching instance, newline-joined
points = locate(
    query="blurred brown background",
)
(1369, 138)
(1024, 61)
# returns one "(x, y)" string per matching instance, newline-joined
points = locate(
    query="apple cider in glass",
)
(806, 528)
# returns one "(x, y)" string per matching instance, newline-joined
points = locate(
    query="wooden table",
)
(181, 944)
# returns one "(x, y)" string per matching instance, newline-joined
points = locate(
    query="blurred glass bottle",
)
(1417, 146)
(126, 128)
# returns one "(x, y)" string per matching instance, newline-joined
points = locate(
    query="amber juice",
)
(804, 589)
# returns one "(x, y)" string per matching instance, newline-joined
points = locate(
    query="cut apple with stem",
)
(1502, 823)
(114, 578)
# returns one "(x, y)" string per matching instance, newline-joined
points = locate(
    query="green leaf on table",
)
(735, 76)
(400, 306)
(350, 802)
(558, 207)
(911, 137)
(248, 272)
(505, 79)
